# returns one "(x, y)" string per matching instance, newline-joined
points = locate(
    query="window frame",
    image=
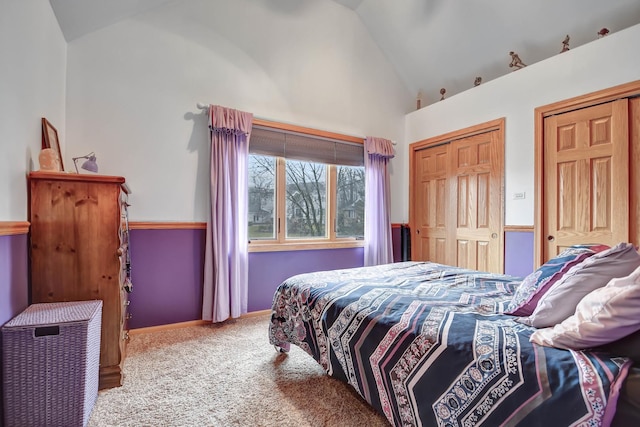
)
(281, 243)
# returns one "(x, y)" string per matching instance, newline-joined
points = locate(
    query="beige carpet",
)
(223, 376)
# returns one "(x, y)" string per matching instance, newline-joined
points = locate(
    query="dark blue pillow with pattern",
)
(534, 286)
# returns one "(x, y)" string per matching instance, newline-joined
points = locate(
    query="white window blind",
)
(298, 146)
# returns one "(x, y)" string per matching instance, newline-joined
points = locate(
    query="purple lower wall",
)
(14, 285)
(167, 271)
(268, 269)
(518, 253)
(14, 277)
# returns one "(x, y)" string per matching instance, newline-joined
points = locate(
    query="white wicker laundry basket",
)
(50, 362)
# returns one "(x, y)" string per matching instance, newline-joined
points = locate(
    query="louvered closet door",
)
(431, 204)
(476, 200)
(586, 178)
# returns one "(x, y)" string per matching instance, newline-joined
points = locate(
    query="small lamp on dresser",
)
(89, 165)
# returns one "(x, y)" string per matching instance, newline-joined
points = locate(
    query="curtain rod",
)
(203, 106)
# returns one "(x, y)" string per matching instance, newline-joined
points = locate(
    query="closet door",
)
(634, 171)
(457, 198)
(431, 198)
(476, 200)
(586, 177)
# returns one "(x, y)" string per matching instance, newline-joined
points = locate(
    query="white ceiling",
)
(432, 44)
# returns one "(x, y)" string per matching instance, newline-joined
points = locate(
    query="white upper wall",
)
(448, 43)
(33, 54)
(601, 64)
(132, 90)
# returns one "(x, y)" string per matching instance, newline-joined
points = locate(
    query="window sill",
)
(304, 246)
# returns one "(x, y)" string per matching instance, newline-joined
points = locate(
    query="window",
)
(305, 200)
(262, 197)
(304, 191)
(350, 201)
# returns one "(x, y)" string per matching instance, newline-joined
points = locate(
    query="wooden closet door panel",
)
(476, 198)
(586, 177)
(634, 171)
(431, 204)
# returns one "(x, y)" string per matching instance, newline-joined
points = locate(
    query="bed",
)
(427, 344)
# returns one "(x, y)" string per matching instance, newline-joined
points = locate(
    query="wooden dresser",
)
(79, 241)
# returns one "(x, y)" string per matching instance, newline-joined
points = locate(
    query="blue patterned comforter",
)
(426, 345)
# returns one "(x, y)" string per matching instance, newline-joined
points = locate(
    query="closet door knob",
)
(551, 238)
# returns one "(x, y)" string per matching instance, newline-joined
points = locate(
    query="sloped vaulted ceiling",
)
(438, 44)
(432, 44)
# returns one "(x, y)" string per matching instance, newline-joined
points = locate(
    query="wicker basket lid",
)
(55, 313)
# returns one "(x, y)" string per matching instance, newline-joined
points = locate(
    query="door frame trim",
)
(497, 124)
(626, 90)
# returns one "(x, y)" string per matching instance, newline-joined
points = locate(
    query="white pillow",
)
(560, 301)
(603, 316)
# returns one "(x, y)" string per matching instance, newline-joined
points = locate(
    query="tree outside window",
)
(262, 194)
(306, 188)
(350, 201)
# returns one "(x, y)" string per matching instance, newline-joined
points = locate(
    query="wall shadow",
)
(200, 143)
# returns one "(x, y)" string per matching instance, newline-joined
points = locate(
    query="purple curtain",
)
(226, 279)
(378, 248)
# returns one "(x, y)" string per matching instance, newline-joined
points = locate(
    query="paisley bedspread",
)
(426, 345)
